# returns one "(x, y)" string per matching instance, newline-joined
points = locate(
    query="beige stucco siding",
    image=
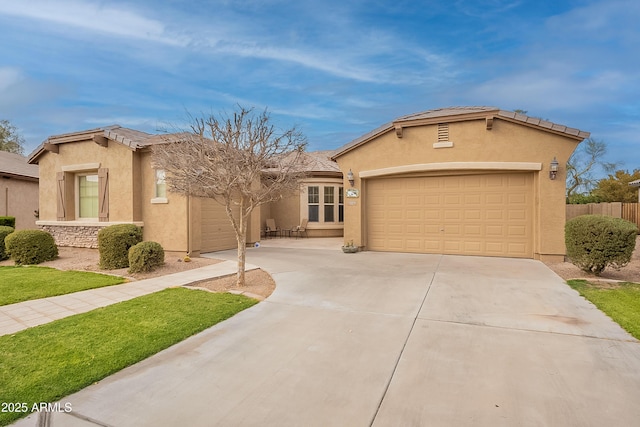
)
(118, 159)
(286, 212)
(473, 144)
(19, 198)
(165, 221)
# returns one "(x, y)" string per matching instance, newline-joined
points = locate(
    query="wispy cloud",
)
(117, 21)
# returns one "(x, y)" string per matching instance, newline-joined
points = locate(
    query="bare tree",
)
(580, 173)
(240, 160)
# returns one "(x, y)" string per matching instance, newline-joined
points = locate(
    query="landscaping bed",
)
(630, 273)
(259, 282)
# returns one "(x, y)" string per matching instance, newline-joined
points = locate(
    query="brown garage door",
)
(488, 214)
(217, 232)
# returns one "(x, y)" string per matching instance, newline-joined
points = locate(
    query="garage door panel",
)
(413, 214)
(451, 214)
(472, 247)
(394, 214)
(414, 229)
(472, 230)
(432, 214)
(472, 199)
(452, 246)
(517, 231)
(495, 214)
(519, 214)
(217, 231)
(489, 214)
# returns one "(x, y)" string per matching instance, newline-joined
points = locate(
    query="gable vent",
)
(443, 132)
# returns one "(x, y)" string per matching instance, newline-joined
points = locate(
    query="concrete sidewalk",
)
(23, 315)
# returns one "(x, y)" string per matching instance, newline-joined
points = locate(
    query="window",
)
(313, 200)
(88, 196)
(323, 204)
(328, 204)
(340, 204)
(161, 186)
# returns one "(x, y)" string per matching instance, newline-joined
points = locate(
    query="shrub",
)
(31, 246)
(595, 242)
(4, 232)
(8, 221)
(114, 243)
(145, 256)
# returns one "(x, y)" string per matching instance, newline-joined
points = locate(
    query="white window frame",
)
(321, 183)
(158, 179)
(76, 196)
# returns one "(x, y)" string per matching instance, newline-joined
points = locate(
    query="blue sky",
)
(336, 69)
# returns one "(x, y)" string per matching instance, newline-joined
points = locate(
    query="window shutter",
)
(103, 194)
(61, 214)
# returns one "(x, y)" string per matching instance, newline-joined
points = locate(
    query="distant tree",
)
(616, 188)
(583, 199)
(240, 160)
(10, 139)
(519, 111)
(580, 167)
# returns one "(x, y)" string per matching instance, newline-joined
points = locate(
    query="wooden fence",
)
(628, 211)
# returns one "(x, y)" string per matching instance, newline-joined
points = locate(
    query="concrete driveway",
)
(386, 339)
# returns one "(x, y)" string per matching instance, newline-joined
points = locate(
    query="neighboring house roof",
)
(15, 165)
(635, 183)
(453, 114)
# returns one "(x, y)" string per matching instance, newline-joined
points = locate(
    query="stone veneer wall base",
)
(77, 236)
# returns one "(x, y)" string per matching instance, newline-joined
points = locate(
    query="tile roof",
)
(445, 112)
(635, 183)
(462, 113)
(16, 165)
(319, 161)
(131, 138)
(313, 162)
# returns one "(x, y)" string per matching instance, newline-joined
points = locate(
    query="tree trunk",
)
(241, 237)
(242, 252)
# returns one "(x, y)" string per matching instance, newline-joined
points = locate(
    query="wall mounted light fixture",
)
(351, 178)
(553, 169)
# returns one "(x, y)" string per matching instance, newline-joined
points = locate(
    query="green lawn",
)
(48, 362)
(621, 302)
(19, 283)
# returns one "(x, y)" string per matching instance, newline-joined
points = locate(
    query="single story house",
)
(99, 177)
(462, 180)
(18, 189)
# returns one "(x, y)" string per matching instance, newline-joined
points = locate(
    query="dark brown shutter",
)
(103, 194)
(61, 214)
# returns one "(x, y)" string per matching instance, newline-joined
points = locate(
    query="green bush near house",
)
(114, 243)
(595, 242)
(8, 221)
(4, 232)
(28, 247)
(145, 256)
